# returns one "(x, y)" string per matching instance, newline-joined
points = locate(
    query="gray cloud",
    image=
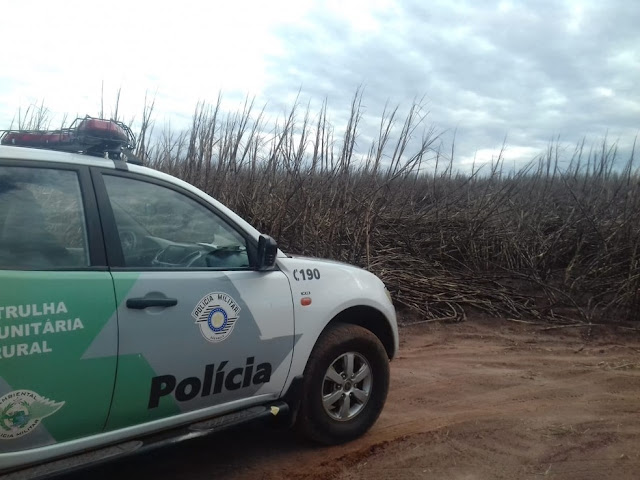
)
(527, 70)
(531, 73)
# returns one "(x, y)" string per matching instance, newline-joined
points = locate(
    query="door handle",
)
(141, 303)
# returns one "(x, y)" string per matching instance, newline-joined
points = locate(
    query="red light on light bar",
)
(35, 139)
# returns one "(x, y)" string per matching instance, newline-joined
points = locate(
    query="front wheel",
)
(345, 385)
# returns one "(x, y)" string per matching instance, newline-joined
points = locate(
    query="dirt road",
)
(467, 401)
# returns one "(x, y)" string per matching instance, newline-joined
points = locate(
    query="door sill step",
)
(238, 418)
(144, 444)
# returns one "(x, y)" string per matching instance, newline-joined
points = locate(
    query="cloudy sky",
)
(528, 71)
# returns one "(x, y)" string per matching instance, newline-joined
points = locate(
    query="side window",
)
(161, 228)
(42, 223)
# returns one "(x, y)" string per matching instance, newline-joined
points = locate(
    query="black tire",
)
(337, 344)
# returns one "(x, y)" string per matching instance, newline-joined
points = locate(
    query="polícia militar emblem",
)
(21, 411)
(216, 314)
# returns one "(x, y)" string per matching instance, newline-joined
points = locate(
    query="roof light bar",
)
(90, 136)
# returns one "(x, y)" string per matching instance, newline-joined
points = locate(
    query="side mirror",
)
(267, 253)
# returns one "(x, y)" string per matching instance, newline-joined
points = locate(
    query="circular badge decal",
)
(216, 314)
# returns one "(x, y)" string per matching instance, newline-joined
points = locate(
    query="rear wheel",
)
(345, 385)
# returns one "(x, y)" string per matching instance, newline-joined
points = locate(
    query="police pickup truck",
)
(135, 308)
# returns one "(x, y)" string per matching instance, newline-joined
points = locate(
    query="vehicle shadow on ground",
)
(224, 454)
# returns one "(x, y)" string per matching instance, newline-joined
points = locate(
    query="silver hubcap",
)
(347, 386)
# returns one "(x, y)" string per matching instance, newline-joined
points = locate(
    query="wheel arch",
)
(370, 318)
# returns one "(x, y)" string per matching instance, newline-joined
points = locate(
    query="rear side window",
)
(42, 223)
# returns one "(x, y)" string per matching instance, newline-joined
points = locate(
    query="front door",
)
(198, 327)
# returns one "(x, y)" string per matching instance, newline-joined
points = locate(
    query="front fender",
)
(322, 291)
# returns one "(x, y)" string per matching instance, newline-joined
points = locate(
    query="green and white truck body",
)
(136, 332)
